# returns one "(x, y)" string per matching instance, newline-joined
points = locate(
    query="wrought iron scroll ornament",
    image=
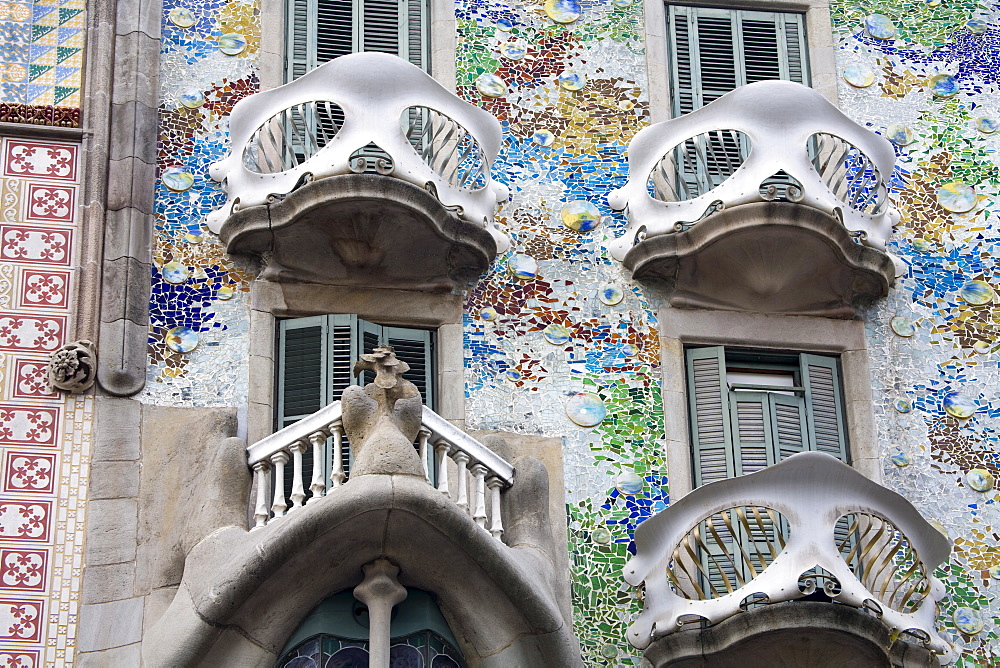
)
(761, 141)
(73, 367)
(373, 105)
(880, 559)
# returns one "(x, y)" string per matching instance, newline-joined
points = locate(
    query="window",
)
(713, 51)
(335, 633)
(321, 30)
(316, 358)
(752, 409)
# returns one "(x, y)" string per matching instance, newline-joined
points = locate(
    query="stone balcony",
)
(768, 199)
(806, 562)
(424, 506)
(365, 171)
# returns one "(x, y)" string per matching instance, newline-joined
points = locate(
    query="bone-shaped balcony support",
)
(373, 91)
(779, 120)
(895, 550)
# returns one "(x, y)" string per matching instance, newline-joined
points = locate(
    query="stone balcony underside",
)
(362, 229)
(243, 593)
(768, 257)
(798, 633)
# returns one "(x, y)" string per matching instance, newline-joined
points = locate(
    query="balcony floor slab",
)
(766, 257)
(365, 230)
(796, 633)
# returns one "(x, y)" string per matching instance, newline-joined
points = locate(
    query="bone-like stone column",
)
(380, 591)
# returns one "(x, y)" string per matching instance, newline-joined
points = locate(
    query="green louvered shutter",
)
(302, 368)
(321, 30)
(713, 51)
(824, 405)
(415, 347)
(788, 425)
(708, 401)
(753, 442)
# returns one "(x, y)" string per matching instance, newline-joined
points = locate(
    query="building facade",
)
(113, 230)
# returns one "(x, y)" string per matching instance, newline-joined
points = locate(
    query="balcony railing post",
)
(318, 486)
(479, 471)
(337, 474)
(496, 523)
(423, 435)
(261, 477)
(462, 461)
(298, 491)
(279, 459)
(442, 447)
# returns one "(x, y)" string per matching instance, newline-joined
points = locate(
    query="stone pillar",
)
(380, 591)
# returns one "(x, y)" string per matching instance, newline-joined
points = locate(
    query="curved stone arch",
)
(244, 593)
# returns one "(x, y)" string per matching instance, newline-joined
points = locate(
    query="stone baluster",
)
(496, 523)
(260, 473)
(278, 460)
(423, 435)
(442, 448)
(318, 486)
(337, 474)
(479, 471)
(462, 460)
(298, 490)
(380, 591)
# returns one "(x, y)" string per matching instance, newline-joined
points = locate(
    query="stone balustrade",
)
(455, 464)
(807, 527)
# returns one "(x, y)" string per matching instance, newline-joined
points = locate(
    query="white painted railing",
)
(764, 141)
(473, 479)
(359, 113)
(805, 524)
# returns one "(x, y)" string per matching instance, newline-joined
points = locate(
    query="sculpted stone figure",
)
(382, 418)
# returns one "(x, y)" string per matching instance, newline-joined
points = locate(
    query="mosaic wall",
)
(198, 316)
(560, 343)
(44, 435)
(41, 60)
(926, 75)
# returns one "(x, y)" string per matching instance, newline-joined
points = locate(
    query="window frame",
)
(440, 313)
(802, 367)
(819, 42)
(441, 47)
(682, 328)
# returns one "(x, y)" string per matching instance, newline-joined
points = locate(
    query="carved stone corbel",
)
(73, 367)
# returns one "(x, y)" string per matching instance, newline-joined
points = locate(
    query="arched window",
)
(335, 635)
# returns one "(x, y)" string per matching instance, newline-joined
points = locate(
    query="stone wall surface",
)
(555, 330)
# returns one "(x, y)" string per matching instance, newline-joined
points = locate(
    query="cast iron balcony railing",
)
(366, 112)
(477, 475)
(806, 524)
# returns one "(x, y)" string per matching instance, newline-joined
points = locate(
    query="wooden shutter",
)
(708, 402)
(302, 368)
(753, 441)
(415, 347)
(788, 425)
(713, 51)
(321, 30)
(824, 405)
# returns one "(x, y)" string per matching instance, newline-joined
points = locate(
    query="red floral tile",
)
(20, 620)
(23, 569)
(42, 245)
(28, 472)
(27, 331)
(25, 520)
(28, 425)
(48, 289)
(41, 159)
(51, 203)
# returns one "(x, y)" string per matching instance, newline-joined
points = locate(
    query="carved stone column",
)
(380, 591)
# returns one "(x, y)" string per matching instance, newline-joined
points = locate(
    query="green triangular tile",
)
(62, 92)
(40, 31)
(67, 14)
(64, 52)
(35, 71)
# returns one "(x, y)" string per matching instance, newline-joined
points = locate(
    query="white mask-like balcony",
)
(768, 199)
(806, 562)
(365, 171)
